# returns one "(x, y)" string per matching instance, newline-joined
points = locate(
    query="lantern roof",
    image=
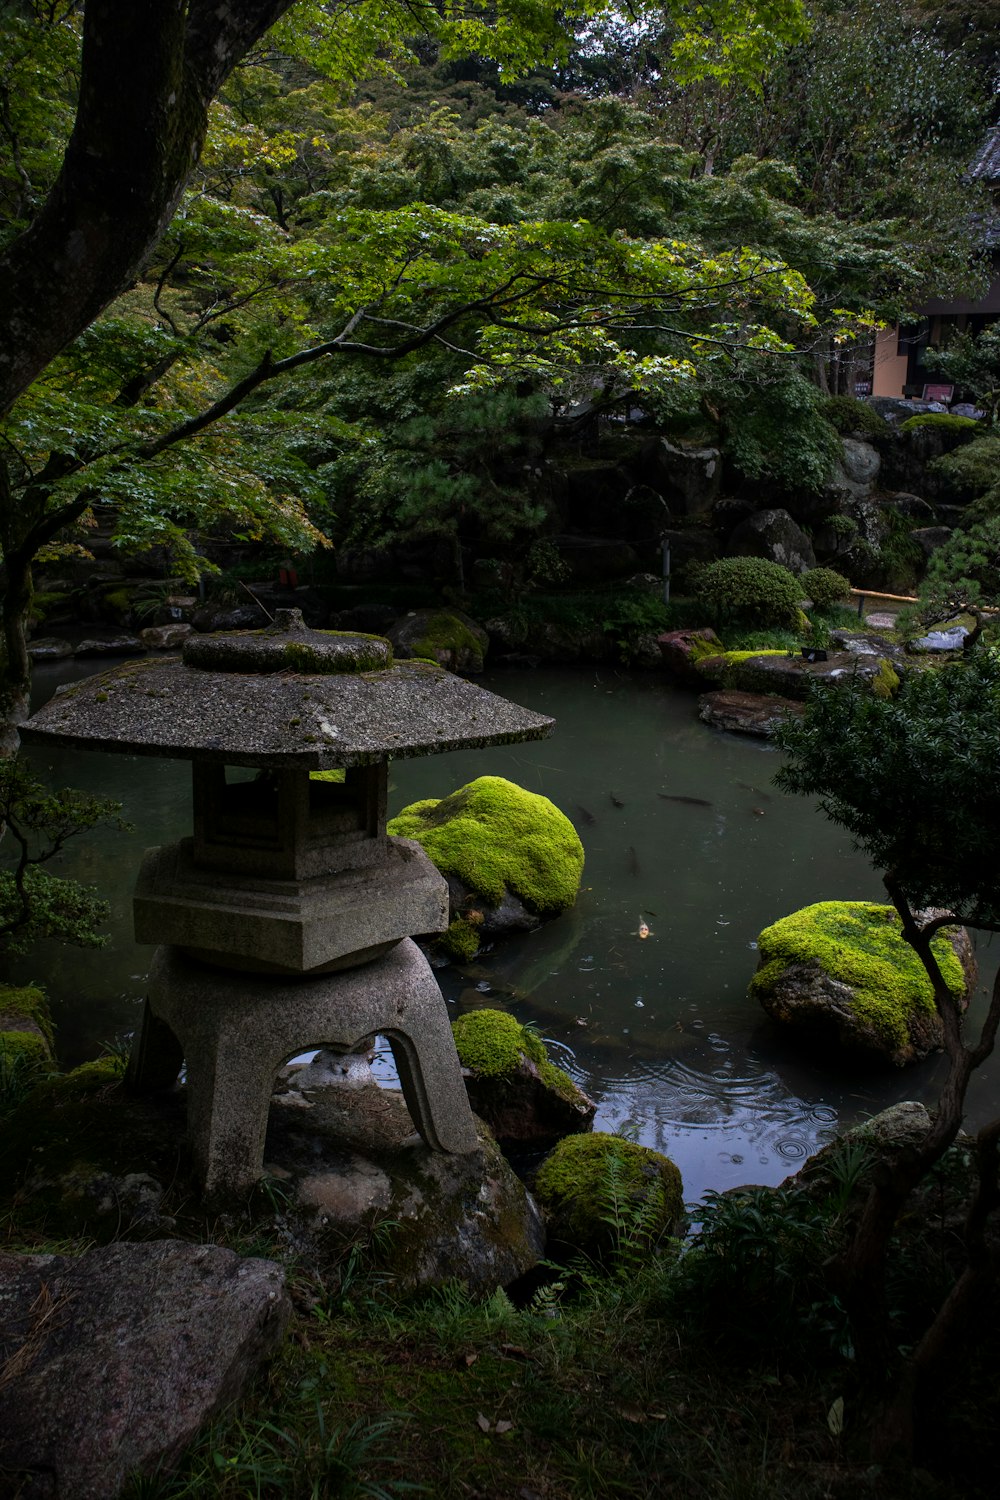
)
(285, 696)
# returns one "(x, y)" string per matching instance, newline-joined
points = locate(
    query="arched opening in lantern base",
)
(234, 1032)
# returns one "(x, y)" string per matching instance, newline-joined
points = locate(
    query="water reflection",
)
(683, 831)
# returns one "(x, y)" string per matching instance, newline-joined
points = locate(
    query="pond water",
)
(660, 1031)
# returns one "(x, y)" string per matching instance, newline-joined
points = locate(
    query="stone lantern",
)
(286, 921)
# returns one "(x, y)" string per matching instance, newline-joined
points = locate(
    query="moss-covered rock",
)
(601, 1192)
(510, 856)
(448, 637)
(840, 971)
(25, 1008)
(512, 1084)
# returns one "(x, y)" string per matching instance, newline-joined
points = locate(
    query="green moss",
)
(860, 944)
(588, 1178)
(849, 415)
(461, 941)
(495, 836)
(302, 657)
(942, 421)
(120, 600)
(726, 667)
(336, 775)
(885, 683)
(447, 634)
(25, 1003)
(24, 1049)
(493, 1044)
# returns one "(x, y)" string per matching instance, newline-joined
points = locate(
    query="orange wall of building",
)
(889, 370)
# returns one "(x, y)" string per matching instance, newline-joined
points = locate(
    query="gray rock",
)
(122, 644)
(913, 506)
(49, 648)
(229, 617)
(938, 641)
(775, 535)
(348, 1158)
(533, 1103)
(688, 477)
(789, 676)
(118, 1357)
(680, 652)
(896, 409)
(756, 714)
(448, 636)
(930, 538)
(164, 637)
(509, 917)
(860, 461)
(901, 1125)
(861, 643)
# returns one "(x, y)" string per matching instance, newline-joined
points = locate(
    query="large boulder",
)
(775, 535)
(791, 676)
(760, 715)
(682, 650)
(345, 1157)
(448, 637)
(504, 851)
(116, 1358)
(840, 972)
(688, 477)
(601, 1195)
(523, 1097)
(859, 463)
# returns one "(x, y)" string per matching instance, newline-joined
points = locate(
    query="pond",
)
(683, 830)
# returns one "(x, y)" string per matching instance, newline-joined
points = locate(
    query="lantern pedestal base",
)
(235, 1032)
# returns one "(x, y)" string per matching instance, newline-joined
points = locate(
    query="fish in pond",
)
(758, 812)
(691, 801)
(644, 929)
(633, 860)
(616, 801)
(585, 813)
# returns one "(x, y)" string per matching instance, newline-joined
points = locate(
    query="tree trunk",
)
(148, 75)
(15, 664)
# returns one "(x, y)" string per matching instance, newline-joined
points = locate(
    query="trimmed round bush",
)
(825, 586)
(749, 589)
(849, 415)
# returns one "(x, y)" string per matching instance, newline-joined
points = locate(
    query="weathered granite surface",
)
(162, 707)
(115, 1359)
(757, 714)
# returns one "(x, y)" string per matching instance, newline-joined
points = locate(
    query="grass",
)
(604, 1395)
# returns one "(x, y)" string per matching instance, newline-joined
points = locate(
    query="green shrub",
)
(972, 471)
(849, 415)
(776, 430)
(825, 587)
(749, 589)
(940, 421)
